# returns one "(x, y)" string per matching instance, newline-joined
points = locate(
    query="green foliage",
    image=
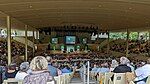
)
(133, 36)
(118, 35)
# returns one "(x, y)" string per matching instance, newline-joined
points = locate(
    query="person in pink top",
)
(40, 73)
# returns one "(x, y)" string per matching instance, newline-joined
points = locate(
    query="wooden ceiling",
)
(108, 14)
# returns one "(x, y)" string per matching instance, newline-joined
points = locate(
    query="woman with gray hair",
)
(40, 73)
(123, 68)
(22, 73)
(39, 63)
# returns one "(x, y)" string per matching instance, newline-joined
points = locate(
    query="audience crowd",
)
(17, 49)
(141, 70)
(45, 66)
(135, 47)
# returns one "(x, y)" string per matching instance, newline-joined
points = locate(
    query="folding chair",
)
(57, 78)
(107, 76)
(119, 78)
(148, 80)
(61, 79)
(12, 81)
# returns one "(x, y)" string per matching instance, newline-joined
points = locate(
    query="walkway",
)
(77, 80)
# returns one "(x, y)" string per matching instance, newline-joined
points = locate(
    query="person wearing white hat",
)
(123, 68)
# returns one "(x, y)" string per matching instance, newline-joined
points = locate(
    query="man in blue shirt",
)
(104, 68)
(52, 69)
(94, 69)
(66, 69)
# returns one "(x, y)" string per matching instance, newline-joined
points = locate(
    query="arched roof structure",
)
(112, 15)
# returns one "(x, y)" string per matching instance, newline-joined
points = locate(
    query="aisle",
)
(76, 80)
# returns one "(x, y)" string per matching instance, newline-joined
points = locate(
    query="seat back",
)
(57, 78)
(61, 79)
(52, 82)
(71, 74)
(92, 75)
(39, 78)
(119, 78)
(12, 81)
(148, 80)
(99, 76)
(107, 77)
(67, 78)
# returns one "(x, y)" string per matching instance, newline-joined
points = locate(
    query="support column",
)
(149, 36)
(37, 37)
(9, 39)
(138, 35)
(149, 44)
(26, 43)
(127, 43)
(33, 42)
(108, 46)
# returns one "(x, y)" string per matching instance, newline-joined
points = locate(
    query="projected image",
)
(54, 40)
(70, 39)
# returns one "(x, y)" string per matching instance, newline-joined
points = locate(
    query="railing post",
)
(84, 74)
(88, 72)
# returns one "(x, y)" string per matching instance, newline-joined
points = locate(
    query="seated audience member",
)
(22, 73)
(66, 69)
(40, 73)
(2, 72)
(122, 68)
(11, 71)
(142, 73)
(81, 71)
(51, 68)
(94, 69)
(59, 71)
(114, 64)
(131, 66)
(104, 68)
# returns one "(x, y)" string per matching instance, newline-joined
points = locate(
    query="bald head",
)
(48, 58)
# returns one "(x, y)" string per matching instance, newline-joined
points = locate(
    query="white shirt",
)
(142, 73)
(20, 75)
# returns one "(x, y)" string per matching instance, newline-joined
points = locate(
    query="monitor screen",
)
(55, 40)
(70, 39)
